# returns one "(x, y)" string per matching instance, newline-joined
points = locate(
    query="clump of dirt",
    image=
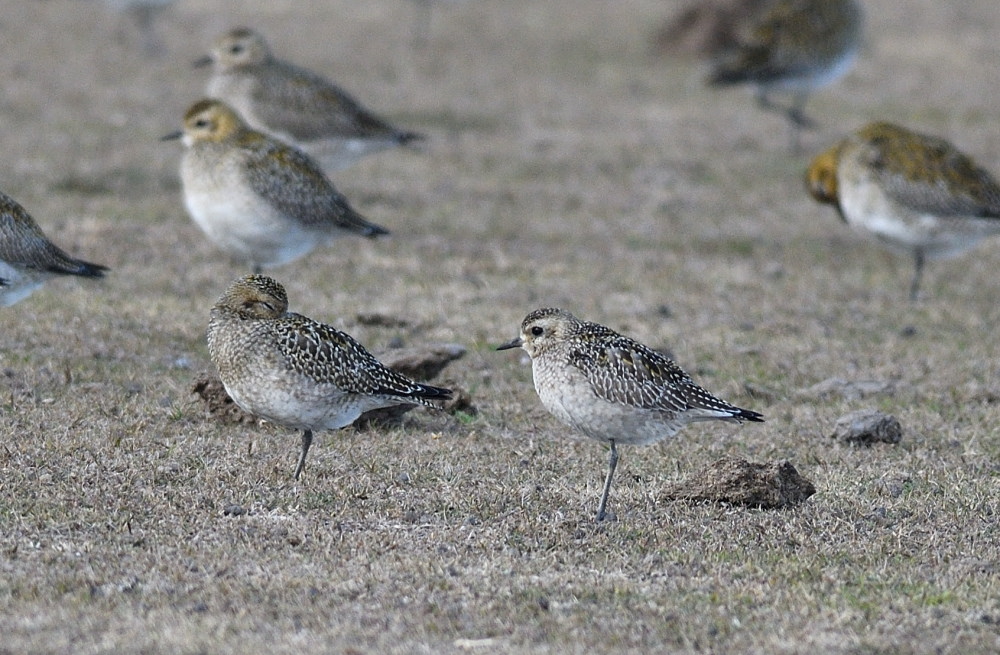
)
(220, 406)
(378, 319)
(866, 427)
(734, 480)
(424, 362)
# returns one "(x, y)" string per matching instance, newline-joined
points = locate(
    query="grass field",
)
(565, 165)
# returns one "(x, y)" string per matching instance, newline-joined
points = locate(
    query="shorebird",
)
(796, 47)
(296, 105)
(258, 199)
(916, 194)
(291, 370)
(612, 388)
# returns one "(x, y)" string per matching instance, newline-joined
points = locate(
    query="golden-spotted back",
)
(926, 173)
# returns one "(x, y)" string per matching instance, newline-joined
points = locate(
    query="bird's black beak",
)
(201, 62)
(840, 212)
(516, 343)
(172, 136)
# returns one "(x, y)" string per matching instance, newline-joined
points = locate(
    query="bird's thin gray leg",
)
(307, 439)
(612, 463)
(918, 260)
(796, 113)
(763, 100)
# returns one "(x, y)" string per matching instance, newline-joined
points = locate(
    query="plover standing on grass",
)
(28, 259)
(294, 104)
(258, 199)
(916, 194)
(796, 47)
(611, 388)
(297, 372)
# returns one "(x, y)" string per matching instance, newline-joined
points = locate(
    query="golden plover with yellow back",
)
(795, 46)
(294, 104)
(917, 194)
(297, 372)
(611, 388)
(28, 259)
(258, 199)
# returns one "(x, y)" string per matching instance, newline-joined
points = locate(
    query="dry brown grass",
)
(565, 166)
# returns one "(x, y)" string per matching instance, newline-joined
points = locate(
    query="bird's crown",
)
(254, 297)
(211, 120)
(240, 47)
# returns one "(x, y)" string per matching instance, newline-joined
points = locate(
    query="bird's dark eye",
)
(537, 331)
(201, 122)
(236, 49)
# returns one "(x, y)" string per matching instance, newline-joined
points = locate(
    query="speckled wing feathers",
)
(328, 355)
(22, 243)
(296, 186)
(624, 371)
(310, 105)
(19, 236)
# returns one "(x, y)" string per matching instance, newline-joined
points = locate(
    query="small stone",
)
(234, 510)
(868, 426)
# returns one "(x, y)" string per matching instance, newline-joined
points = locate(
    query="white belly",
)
(243, 225)
(867, 207)
(566, 393)
(18, 284)
(302, 405)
